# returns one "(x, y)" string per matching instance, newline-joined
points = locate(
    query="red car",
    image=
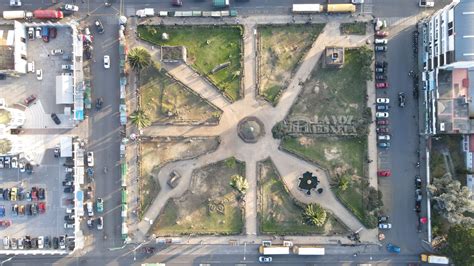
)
(42, 207)
(381, 85)
(384, 173)
(5, 223)
(30, 99)
(383, 130)
(382, 121)
(381, 33)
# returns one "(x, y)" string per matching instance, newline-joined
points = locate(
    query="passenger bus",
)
(274, 250)
(308, 250)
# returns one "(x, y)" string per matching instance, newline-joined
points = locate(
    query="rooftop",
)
(464, 31)
(7, 34)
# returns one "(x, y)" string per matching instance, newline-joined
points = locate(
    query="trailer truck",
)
(433, 259)
(220, 3)
(307, 8)
(17, 14)
(48, 14)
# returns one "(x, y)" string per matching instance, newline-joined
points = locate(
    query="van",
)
(384, 137)
(31, 66)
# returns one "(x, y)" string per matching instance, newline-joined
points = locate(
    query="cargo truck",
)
(147, 12)
(308, 251)
(274, 250)
(307, 8)
(220, 3)
(341, 8)
(17, 14)
(434, 259)
(48, 14)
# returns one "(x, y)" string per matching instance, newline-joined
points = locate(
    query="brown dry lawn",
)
(210, 206)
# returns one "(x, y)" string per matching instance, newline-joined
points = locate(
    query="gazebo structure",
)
(308, 182)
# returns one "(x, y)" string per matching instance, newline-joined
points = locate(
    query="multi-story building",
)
(448, 69)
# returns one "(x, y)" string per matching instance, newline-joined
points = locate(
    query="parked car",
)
(380, 41)
(381, 85)
(381, 33)
(385, 226)
(2, 210)
(106, 61)
(6, 242)
(90, 209)
(69, 226)
(31, 33)
(7, 162)
(98, 103)
(67, 67)
(68, 190)
(383, 137)
(6, 194)
(90, 223)
(177, 2)
(99, 26)
(55, 242)
(30, 99)
(382, 130)
(42, 207)
(39, 74)
(69, 7)
(28, 209)
(99, 205)
(382, 107)
(53, 32)
(418, 182)
(100, 223)
(2, 165)
(14, 162)
(383, 100)
(14, 243)
(41, 242)
(13, 194)
(384, 145)
(62, 242)
(401, 99)
(382, 121)
(380, 77)
(41, 194)
(379, 70)
(56, 119)
(392, 248)
(418, 195)
(57, 51)
(380, 48)
(384, 173)
(382, 64)
(381, 115)
(383, 219)
(47, 244)
(90, 159)
(38, 33)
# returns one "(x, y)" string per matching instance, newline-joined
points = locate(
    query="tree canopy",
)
(139, 58)
(314, 214)
(460, 246)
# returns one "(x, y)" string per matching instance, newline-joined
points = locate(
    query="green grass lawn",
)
(207, 47)
(281, 49)
(354, 28)
(453, 144)
(166, 100)
(279, 214)
(192, 213)
(331, 152)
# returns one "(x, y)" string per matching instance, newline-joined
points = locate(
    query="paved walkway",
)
(289, 166)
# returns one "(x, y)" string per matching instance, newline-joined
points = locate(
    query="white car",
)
(90, 159)
(41, 242)
(100, 223)
(69, 7)
(383, 100)
(38, 33)
(57, 51)
(39, 74)
(106, 61)
(380, 41)
(69, 226)
(6, 242)
(384, 137)
(264, 259)
(90, 209)
(357, 1)
(381, 115)
(14, 162)
(385, 225)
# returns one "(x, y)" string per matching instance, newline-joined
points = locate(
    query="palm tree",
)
(239, 183)
(314, 214)
(140, 119)
(139, 58)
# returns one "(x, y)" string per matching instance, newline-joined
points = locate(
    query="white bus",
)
(307, 8)
(274, 250)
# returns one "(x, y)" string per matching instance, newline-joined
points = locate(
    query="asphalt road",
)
(399, 189)
(104, 134)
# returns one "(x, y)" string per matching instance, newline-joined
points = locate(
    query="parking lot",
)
(16, 89)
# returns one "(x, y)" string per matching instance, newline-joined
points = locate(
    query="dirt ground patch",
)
(354, 28)
(280, 214)
(159, 151)
(281, 49)
(210, 206)
(166, 100)
(447, 156)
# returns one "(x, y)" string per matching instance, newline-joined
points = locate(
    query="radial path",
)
(265, 145)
